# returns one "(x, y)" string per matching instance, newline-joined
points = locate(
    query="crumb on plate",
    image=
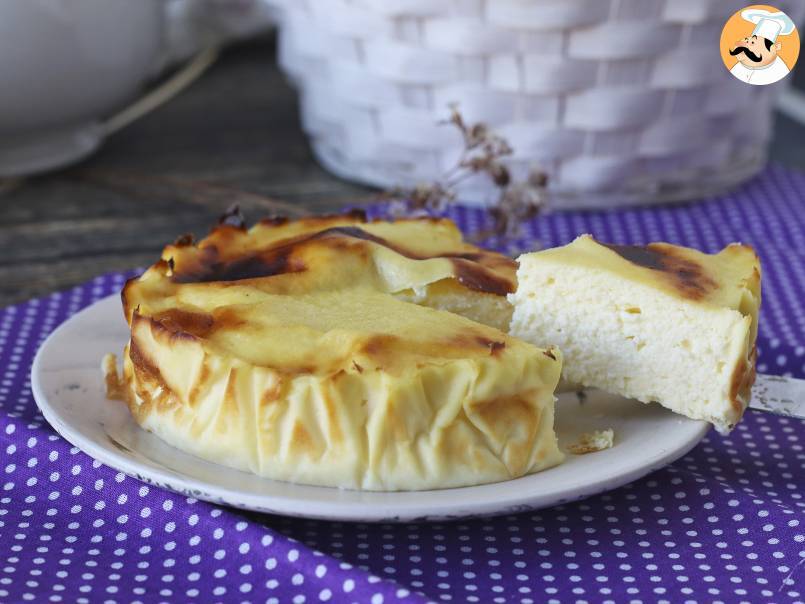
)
(114, 385)
(590, 442)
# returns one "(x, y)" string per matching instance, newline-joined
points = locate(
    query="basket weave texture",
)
(618, 101)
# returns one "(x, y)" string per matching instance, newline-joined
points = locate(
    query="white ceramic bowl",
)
(64, 66)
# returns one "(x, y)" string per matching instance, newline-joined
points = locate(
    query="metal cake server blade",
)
(779, 395)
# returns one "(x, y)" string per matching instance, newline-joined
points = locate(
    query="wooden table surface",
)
(233, 136)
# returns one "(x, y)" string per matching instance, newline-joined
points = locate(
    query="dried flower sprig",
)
(483, 153)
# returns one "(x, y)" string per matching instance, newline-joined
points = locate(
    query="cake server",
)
(779, 395)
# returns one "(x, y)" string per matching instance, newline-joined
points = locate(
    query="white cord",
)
(792, 104)
(162, 93)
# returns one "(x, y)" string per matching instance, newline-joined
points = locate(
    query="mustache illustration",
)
(750, 55)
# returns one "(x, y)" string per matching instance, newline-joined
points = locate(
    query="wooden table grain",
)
(233, 136)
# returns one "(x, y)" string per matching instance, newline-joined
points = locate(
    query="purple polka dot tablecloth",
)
(725, 523)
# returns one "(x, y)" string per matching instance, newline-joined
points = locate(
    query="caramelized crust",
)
(479, 270)
(689, 277)
(420, 260)
(715, 280)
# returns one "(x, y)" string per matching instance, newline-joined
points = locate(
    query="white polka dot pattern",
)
(723, 524)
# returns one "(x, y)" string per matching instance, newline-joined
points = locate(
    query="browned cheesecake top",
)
(329, 252)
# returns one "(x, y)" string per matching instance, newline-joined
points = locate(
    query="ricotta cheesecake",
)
(346, 388)
(655, 323)
(321, 351)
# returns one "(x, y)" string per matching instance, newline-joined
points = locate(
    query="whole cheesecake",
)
(656, 323)
(294, 350)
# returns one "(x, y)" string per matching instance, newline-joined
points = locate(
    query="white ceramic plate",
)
(68, 387)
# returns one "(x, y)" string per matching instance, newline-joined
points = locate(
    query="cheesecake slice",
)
(347, 388)
(655, 323)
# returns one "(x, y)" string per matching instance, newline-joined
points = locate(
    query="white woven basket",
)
(618, 101)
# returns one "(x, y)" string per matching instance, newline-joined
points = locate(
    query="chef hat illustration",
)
(768, 25)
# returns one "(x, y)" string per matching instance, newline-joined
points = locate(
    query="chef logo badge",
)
(759, 45)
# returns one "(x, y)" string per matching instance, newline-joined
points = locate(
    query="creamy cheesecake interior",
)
(655, 323)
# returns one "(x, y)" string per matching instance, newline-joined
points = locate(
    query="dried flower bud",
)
(478, 163)
(500, 174)
(537, 178)
(477, 135)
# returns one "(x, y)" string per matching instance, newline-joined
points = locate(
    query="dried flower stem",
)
(483, 153)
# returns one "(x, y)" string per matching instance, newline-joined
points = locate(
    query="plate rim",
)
(333, 510)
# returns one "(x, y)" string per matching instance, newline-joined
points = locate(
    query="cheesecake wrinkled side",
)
(350, 389)
(657, 323)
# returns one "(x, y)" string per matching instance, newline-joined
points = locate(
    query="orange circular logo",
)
(759, 44)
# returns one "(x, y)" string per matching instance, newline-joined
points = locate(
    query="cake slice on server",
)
(655, 323)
